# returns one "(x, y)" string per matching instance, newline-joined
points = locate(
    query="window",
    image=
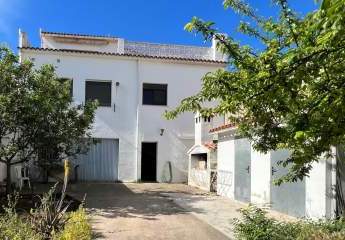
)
(155, 94)
(100, 91)
(63, 80)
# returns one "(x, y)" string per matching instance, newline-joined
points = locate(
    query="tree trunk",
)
(8, 178)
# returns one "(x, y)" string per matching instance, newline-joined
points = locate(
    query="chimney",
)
(217, 55)
(202, 128)
(120, 45)
(23, 39)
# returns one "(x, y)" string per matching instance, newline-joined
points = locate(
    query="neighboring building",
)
(135, 83)
(246, 175)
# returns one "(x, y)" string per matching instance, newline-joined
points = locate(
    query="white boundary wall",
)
(319, 188)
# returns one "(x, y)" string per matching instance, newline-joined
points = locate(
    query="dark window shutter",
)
(100, 91)
(155, 94)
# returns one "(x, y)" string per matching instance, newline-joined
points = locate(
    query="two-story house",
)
(134, 82)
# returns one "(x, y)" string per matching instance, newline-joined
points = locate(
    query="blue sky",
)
(159, 21)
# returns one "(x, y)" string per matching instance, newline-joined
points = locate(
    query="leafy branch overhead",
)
(289, 93)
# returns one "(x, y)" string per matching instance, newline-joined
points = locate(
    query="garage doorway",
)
(100, 163)
(149, 162)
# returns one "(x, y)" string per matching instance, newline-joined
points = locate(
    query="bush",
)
(50, 216)
(49, 220)
(254, 225)
(77, 227)
(13, 227)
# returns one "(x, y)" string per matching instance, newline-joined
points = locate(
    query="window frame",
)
(157, 84)
(100, 81)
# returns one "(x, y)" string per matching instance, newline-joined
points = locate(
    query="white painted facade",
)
(312, 198)
(128, 119)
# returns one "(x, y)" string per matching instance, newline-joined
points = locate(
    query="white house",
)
(246, 175)
(135, 83)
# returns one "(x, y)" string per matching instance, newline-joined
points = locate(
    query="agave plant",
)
(50, 215)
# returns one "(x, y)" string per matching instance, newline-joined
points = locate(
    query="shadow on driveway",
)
(140, 211)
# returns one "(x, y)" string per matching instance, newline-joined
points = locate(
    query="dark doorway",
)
(149, 162)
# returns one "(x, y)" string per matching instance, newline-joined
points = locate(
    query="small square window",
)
(155, 94)
(100, 91)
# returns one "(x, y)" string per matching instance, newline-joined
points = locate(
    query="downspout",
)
(138, 148)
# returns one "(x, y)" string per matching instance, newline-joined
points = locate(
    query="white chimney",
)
(203, 125)
(120, 45)
(23, 39)
(217, 55)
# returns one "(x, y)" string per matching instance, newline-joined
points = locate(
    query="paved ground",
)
(159, 211)
(141, 211)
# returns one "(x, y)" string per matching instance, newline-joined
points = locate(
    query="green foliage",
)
(290, 93)
(49, 220)
(14, 227)
(50, 216)
(77, 227)
(254, 225)
(37, 117)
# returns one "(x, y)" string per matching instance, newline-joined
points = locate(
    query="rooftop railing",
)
(170, 50)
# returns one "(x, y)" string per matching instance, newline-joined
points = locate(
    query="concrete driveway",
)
(143, 211)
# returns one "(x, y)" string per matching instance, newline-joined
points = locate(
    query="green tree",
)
(288, 94)
(37, 114)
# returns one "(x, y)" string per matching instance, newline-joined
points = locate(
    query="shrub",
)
(50, 216)
(49, 220)
(77, 227)
(13, 227)
(325, 230)
(254, 225)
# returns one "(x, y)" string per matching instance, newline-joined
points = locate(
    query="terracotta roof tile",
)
(222, 127)
(125, 55)
(210, 145)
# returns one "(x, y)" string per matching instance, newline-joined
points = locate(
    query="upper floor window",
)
(155, 94)
(70, 84)
(98, 90)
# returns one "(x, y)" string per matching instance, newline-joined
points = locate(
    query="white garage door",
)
(100, 163)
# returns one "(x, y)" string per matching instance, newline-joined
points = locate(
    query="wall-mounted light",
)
(161, 131)
(117, 84)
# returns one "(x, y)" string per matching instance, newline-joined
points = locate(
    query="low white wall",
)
(316, 199)
(320, 200)
(200, 179)
(260, 178)
(226, 168)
